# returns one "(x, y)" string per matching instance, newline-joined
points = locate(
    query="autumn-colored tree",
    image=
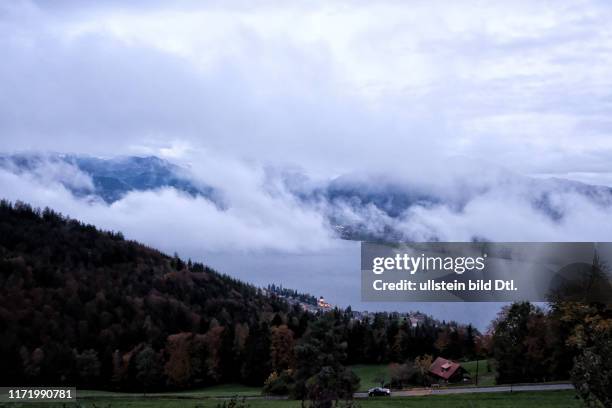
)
(282, 348)
(443, 341)
(178, 367)
(279, 383)
(119, 368)
(184, 365)
(422, 363)
(585, 323)
(483, 345)
(212, 340)
(590, 341)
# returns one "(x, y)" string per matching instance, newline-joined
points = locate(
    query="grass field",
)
(368, 373)
(547, 399)
(223, 390)
(485, 377)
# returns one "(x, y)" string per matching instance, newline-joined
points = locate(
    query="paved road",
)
(469, 390)
(506, 388)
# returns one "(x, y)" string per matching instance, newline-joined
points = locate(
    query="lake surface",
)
(335, 275)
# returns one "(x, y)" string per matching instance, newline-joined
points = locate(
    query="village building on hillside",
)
(416, 319)
(323, 304)
(447, 371)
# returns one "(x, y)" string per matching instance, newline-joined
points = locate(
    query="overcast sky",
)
(328, 86)
(423, 90)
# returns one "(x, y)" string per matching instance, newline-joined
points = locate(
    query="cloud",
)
(255, 220)
(267, 209)
(52, 172)
(332, 88)
(470, 201)
(501, 217)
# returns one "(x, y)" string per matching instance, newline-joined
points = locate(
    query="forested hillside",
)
(86, 307)
(77, 305)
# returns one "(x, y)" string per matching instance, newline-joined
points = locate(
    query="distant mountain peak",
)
(112, 178)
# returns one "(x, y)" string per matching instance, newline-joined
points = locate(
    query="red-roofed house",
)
(444, 370)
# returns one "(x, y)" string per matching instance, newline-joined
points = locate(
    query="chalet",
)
(447, 371)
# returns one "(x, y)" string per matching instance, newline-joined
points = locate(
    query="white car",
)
(379, 391)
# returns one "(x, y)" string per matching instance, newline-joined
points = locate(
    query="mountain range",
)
(356, 206)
